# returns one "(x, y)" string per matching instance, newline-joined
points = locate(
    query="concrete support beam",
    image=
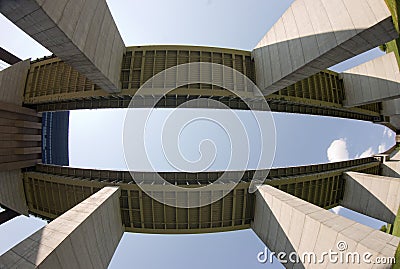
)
(314, 35)
(8, 57)
(12, 81)
(86, 236)
(288, 224)
(372, 195)
(80, 32)
(12, 193)
(371, 82)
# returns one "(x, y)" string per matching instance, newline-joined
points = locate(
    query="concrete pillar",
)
(12, 193)
(288, 224)
(372, 195)
(373, 81)
(81, 33)
(12, 82)
(314, 35)
(390, 167)
(86, 236)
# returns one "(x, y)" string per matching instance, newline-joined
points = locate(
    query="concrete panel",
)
(12, 82)
(391, 107)
(319, 34)
(71, 30)
(288, 224)
(373, 81)
(12, 193)
(372, 195)
(86, 236)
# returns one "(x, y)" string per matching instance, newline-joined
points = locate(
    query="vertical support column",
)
(86, 236)
(371, 195)
(288, 224)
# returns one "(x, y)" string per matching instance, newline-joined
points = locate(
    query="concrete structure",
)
(82, 33)
(86, 236)
(288, 212)
(48, 90)
(12, 192)
(373, 81)
(321, 185)
(288, 224)
(314, 35)
(12, 83)
(8, 57)
(372, 195)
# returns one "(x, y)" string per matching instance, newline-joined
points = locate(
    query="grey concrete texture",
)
(86, 236)
(372, 195)
(82, 33)
(314, 35)
(288, 224)
(373, 81)
(12, 193)
(12, 82)
(391, 107)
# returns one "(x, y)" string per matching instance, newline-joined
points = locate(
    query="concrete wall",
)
(314, 35)
(12, 82)
(372, 195)
(373, 81)
(391, 107)
(80, 32)
(286, 223)
(12, 194)
(86, 236)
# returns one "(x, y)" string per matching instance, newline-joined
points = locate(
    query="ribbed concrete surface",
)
(84, 237)
(314, 35)
(372, 195)
(288, 224)
(374, 81)
(80, 32)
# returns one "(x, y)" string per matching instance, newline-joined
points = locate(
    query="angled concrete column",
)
(372, 195)
(288, 224)
(86, 236)
(12, 82)
(314, 35)
(81, 33)
(12, 193)
(371, 82)
(391, 107)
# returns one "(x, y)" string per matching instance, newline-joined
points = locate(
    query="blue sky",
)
(301, 139)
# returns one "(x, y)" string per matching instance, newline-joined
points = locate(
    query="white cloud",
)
(382, 147)
(387, 132)
(368, 153)
(337, 151)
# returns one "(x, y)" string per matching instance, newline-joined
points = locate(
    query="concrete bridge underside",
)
(52, 190)
(54, 85)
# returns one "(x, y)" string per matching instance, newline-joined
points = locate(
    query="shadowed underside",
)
(52, 190)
